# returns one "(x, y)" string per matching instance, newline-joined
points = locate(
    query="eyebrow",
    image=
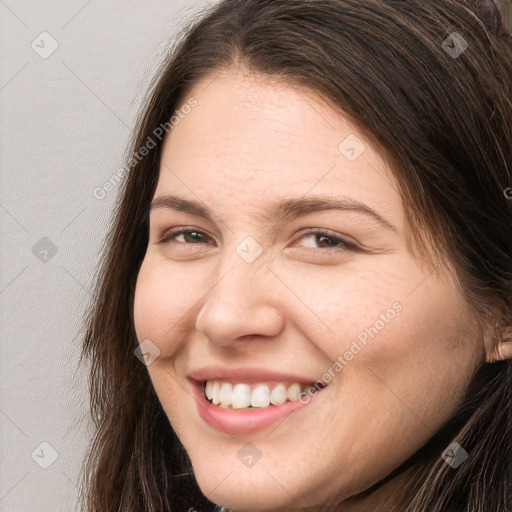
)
(284, 210)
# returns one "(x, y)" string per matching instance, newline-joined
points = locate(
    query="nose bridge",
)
(243, 271)
(241, 302)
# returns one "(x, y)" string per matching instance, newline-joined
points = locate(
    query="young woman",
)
(305, 300)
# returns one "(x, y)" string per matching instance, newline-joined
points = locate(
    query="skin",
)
(250, 142)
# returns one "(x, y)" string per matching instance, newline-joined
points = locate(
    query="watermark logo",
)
(454, 455)
(249, 455)
(45, 455)
(249, 249)
(352, 147)
(455, 45)
(44, 45)
(147, 352)
(44, 250)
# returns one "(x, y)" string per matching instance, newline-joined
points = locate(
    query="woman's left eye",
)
(325, 240)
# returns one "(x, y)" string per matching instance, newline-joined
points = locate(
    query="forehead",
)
(250, 139)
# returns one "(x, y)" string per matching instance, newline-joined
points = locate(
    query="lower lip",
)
(239, 422)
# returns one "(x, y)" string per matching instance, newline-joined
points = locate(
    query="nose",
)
(242, 303)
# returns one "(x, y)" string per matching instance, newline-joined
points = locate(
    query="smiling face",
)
(294, 269)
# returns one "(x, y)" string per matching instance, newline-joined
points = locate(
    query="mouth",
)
(247, 403)
(244, 396)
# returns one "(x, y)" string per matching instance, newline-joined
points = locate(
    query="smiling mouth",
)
(263, 395)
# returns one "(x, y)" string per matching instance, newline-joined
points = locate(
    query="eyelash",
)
(344, 244)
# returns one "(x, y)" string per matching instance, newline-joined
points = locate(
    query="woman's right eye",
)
(189, 236)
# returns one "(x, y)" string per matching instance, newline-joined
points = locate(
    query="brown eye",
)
(189, 236)
(325, 240)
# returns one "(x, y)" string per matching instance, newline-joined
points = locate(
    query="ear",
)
(498, 341)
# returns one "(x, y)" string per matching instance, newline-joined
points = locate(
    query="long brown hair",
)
(443, 121)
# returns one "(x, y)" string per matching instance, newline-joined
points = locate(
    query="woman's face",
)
(284, 278)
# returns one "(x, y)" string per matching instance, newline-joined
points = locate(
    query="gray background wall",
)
(66, 118)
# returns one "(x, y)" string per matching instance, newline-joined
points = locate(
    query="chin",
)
(251, 498)
(255, 489)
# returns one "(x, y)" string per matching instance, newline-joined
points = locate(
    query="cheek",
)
(338, 305)
(417, 365)
(405, 344)
(146, 297)
(161, 298)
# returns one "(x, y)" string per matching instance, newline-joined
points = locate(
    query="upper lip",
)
(248, 375)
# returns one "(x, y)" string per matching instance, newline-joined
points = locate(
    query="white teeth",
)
(242, 395)
(260, 396)
(226, 394)
(209, 390)
(279, 395)
(294, 392)
(216, 393)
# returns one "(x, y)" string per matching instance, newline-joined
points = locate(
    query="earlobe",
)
(502, 352)
(505, 350)
(501, 343)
